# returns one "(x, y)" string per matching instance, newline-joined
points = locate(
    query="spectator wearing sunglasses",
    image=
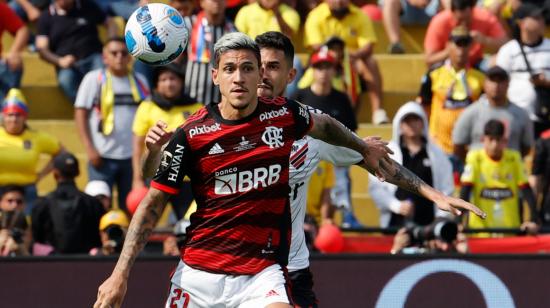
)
(449, 88)
(105, 106)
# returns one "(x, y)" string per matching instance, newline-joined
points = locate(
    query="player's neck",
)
(231, 112)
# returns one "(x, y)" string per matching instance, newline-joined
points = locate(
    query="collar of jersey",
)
(215, 111)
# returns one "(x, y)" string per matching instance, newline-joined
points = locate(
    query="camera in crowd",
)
(10, 220)
(441, 229)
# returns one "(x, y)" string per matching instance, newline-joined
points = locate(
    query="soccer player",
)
(277, 53)
(236, 154)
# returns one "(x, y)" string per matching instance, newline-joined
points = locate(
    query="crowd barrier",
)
(348, 280)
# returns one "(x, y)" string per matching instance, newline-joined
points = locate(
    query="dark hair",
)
(117, 39)
(279, 41)
(460, 5)
(494, 128)
(235, 41)
(11, 188)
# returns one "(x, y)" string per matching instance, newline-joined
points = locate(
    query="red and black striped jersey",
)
(239, 173)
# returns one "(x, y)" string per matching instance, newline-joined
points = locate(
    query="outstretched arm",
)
(111, 292)
(402, 177)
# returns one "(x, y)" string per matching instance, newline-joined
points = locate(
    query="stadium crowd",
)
(479, 126)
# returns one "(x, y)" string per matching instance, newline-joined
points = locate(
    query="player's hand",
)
(157, 136)
(111, 293)
(14, 61)
(377, 150)
(456, 205)
(529, 227)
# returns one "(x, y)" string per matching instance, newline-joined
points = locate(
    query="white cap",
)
(96, 188)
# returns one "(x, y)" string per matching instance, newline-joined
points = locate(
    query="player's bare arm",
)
(331, 131)
(111, 292)
(156, 138)
(402, 177)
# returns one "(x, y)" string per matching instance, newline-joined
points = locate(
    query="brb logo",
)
(268, 115)
(273, 137)
(199, 130)
(229, 181)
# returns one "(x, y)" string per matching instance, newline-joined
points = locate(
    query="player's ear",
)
(215, 77)
(291, 76)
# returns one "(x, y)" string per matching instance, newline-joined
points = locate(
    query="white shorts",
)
(192, 288)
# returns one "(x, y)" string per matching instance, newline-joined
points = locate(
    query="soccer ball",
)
(156, 34)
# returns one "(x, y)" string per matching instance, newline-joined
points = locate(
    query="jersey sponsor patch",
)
(230, 181)
(273, 137)
(176, 163)
(216, 149)
(268, 115)
(303, 113)
(204, 129)
(496, 193)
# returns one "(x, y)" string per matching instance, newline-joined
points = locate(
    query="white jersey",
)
(304, 158)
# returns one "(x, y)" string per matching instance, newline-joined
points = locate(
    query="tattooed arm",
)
(331, 131)
(111, 292)
(402, 177)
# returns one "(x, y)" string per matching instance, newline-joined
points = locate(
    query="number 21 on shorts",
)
(178, 299)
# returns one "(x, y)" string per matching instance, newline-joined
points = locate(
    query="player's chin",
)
(240, 103)
(265, 92)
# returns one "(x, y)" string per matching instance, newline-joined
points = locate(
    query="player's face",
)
(169, 85)
(494, 146)
(116, 57)
(11, 201)
(277, 73)
(238, 75)
(323, 73)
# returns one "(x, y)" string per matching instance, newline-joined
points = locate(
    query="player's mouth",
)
(239, 90)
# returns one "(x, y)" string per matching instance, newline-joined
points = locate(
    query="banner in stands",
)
(379, 281)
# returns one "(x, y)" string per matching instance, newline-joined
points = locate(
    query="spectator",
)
(184, 7)
(122, 8)
(321, 95)
(319, 205)
(346, 78)
(67, 37)
(66, 218)
(540, 177)
(15, 232)
(406, 12)
(112, 231)
(206, 28)
(413, 149)
(493, 177)
(11, 66)
(345, 20)
(468, 131)
(525, 79)
(171, 105)
(21, 148)
(486, 31)
(267, 15)
(101, 191)
(104, 111)
(449, 88)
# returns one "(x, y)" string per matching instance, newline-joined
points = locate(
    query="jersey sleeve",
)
(302, 118)
(49, 144)
(338, 156)
(174, 164)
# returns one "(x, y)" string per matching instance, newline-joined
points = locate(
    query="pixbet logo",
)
(199, 130)
(229, 181)
(268, 115)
